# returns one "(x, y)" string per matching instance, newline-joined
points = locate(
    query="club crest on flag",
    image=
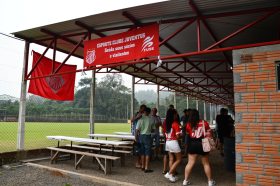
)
(55, 83)
(90, 56)
(148, 43)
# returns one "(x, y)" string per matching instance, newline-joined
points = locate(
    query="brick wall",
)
(257, 108)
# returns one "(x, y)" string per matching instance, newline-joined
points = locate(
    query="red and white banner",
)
(59, 87)
(135, 44)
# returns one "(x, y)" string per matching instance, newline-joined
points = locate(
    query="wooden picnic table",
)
(106, 136)
(123, 133)
(130, 134)
(90, 141)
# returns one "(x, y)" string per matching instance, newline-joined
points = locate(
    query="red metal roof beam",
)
(131, 18)
(167, 80)
(90, 29)
(200, 16)
(138, 23)
(40, 58)
(177, 32)
(242, 29)
(54, 54)
(198, 34)
(70, 54)
(172, 57)
(189, 80)
(217, 15)
(55, 35)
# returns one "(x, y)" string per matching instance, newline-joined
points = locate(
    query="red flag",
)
(59, 87)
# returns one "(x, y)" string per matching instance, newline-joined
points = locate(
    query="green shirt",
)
(145, 125)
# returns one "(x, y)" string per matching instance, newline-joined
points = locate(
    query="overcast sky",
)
(16, 15)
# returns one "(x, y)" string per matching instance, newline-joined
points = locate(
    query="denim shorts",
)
(146, 144)
(156, 137)
(137, 147)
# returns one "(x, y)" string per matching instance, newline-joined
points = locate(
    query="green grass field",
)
(36, 132)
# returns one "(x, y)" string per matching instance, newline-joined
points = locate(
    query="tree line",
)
(112, 100)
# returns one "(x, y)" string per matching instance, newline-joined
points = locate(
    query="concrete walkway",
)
(129, 174)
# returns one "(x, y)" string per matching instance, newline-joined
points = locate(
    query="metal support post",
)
(132, 101)
(132, 97)
(196, 103)
(188, 106)
(204, 108)
(211, 114)
(22, 104)
(158, 98)
(214, 111)
(92, 102)
(175, 103)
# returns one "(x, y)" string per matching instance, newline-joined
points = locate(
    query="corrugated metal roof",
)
(186, 41)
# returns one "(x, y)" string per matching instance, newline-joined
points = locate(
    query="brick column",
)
(257, 108)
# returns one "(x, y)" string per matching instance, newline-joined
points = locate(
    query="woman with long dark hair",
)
(195, 130)
(172, 133)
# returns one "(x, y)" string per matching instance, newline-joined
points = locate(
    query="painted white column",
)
(92, 102)
(196, 103)
(22, 104)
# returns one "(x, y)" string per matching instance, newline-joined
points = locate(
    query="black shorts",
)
(195, 146)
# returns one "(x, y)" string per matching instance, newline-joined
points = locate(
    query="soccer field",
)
(36, 132)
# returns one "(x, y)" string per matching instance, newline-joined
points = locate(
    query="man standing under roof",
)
(144, 129)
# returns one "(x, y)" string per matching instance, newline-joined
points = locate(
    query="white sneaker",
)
(186, 182)
(173, 179)
(167, 175)
(211, 183)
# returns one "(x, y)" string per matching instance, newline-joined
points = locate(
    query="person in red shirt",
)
(194, 129)
(172, 133)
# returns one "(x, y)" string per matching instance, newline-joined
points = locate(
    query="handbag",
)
(208, 144)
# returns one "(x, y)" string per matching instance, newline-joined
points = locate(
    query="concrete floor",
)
(129, 174)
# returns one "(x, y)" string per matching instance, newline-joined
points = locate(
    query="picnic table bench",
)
(120, 147)
(106, 166)
(120, 153)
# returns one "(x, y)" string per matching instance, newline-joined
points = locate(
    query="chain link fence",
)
(45, 118)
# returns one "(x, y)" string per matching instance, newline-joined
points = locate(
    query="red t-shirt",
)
(198, 132)
(175, 129)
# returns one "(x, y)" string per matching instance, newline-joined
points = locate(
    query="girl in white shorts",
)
(172, 133)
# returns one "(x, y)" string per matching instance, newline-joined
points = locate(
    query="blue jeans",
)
(146, 144)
